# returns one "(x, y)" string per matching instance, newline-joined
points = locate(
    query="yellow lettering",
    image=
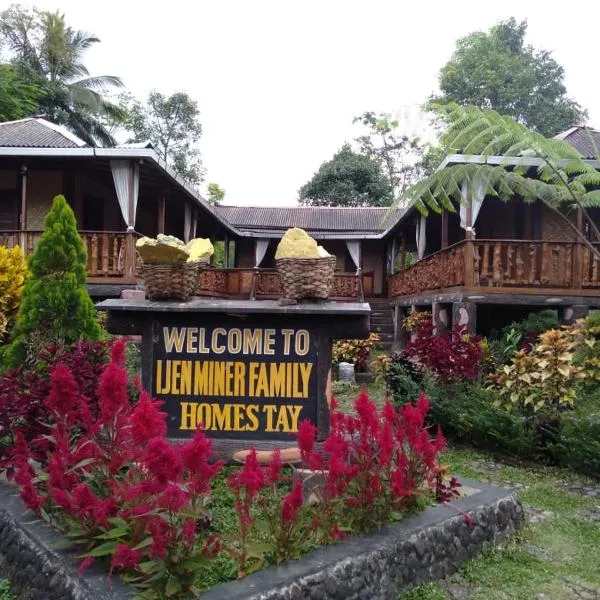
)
(186, 377)
(204, 416)
(294, 414)
(239, 387)
(188, 415)
(238, 417)
(269, 342)
(252, 379)
(287, 336)
(192, 340)
(297, 393)
(277, 380)
(175, 376)
(262, 386)
(282, 420)
(302, 342)
(288, 380)
(269, 409)
(216, 347)
(158, 378)
(228, 378)
(251, 411)
(166, 388)
(305, 371)
(219, 379)
(221, 417)
(201, 385)
(174, 336)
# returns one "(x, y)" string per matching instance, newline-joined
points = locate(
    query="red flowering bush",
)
(374, 465)
(119, 489)
(23, 392)
(452, 356)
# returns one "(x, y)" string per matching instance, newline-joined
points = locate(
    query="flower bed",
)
(105, 476)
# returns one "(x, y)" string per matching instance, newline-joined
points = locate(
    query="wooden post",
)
(402, 253)
(130, 235)
(393, 256)
(162, 207)
(578, 250)
(444, 240)
(226, 251)
(23, 215)
(469, 246)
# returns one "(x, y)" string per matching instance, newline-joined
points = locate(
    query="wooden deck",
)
(503, 266)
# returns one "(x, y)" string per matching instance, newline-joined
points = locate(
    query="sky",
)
(279, 82)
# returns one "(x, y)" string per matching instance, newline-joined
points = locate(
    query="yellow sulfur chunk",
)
(322, 252)
(296, 243)
(166, 250)
(199, 249)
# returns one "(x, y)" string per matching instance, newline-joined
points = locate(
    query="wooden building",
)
(488, 260)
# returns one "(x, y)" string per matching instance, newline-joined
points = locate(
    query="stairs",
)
(382, 322)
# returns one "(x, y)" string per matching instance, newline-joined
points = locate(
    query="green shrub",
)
(56, 306)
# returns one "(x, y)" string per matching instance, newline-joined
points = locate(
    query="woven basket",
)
(177, 281)
(306, 277)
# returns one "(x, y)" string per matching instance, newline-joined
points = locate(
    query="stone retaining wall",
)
(425, 547)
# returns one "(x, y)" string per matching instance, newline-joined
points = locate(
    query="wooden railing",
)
(501, 264)
(107, 251)
(442, 269)
(266, 283)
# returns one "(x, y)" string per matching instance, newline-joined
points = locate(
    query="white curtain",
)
(187, 223)
(354, 251)
(421, 236)
(260, 249)
(476, 204)
(126, 176)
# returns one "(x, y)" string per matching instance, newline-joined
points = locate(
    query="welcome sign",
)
(255, 381)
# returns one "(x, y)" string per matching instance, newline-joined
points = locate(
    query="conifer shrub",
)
(56, 307)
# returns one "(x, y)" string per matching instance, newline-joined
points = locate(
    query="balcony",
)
(511, 266)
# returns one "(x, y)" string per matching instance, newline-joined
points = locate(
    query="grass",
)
(546, 555)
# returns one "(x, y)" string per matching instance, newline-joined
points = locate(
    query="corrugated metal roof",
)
(37, 133)
(583, 139)
(257, 219)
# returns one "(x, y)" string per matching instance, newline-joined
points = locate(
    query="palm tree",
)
(531, 167)
(50, 53)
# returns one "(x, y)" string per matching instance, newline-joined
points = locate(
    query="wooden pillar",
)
(402, 254)
(162, 209)
(578, 250)
(23, 215)
(399, 332)
(393, 256)
(444, 240)
(130, 251)
(469, 250)
(226, 251)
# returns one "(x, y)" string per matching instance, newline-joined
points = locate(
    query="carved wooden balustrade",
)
(442, 269)
(239, 281)
(501, 264)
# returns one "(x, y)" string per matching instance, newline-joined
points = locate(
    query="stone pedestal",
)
(248, 372)
(441, 317)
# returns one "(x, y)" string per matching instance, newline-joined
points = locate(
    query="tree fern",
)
(562, 176)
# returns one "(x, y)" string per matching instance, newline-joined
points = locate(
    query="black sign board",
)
(254, 379)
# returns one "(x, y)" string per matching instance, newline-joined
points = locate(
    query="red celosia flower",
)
(292, 502)
(196, 452)
(112, 391)
(367, 411)
(125, 558)
(30, 496)
(159, 530)
(147, 421)
(117, 352)
(85, 563)
(273, 474)
(162, 460)
(306, 436)
(389, 413)
(61, 498)
(249, 478)
(173, 498)
(189, 531)
(63, 398)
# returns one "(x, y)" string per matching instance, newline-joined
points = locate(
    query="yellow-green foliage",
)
(414, 319)
(547, 376)
(13, 272)
(353, 351)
